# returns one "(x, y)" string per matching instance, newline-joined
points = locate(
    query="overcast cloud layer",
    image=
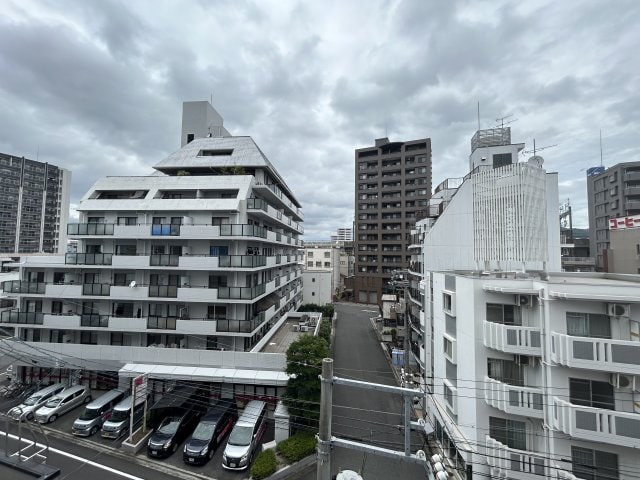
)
(97, 87)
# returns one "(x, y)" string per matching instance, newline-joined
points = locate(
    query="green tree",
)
(304, 365)
(326, 310)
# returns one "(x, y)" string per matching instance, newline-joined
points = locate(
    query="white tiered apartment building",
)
(183, 274)
(530, 373)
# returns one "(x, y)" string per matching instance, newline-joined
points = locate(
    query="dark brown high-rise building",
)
(393, 182)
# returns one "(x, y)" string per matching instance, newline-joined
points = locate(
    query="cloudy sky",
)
(97, 87)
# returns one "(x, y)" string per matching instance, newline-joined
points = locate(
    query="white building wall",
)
(317, 287)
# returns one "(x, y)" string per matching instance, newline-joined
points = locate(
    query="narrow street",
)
(366, 415)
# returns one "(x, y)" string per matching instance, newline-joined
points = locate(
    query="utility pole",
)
(324, 435)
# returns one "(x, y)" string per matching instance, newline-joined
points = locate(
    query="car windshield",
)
(32, 400)
(120, 415)
(204, 431)
(169, 426)
(241, 436)
(54, 402)
(90, 414)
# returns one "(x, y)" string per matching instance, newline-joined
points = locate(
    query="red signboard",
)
(622, 223)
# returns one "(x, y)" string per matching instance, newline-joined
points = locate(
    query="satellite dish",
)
(132, 284)
(536, 161)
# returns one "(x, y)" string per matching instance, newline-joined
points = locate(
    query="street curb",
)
(165, 468)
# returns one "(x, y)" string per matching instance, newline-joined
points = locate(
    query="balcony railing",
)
(164, 260)
(242, 261)
(90, 229)
(240, 326)
(527, 401)
(19, 286)
(103, 289)
(242, 230)
(603, 354)
(168, 229)
(241, 293)
(168, 291)
(161, 323)
(512, 463)
(94, 320)
(88, 258)
(14, 316)
(512, 338)
(596, 424)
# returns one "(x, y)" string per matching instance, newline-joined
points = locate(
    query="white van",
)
(25, 409)
(63, 402)
(245, 436)
(96, 413)
(118, 424)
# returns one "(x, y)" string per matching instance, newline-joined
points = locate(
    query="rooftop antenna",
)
(502, 122)
(535, 149)
(600, 147)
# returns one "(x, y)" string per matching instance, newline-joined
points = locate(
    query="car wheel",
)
(88, 399)
(93, 431)
(53, 418)
(30, 416)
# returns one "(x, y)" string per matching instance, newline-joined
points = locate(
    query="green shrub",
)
(298, 446)
(325, 330)
(264, 465)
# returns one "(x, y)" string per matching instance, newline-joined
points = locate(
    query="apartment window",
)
(117, 338)
(89, 338)
(591, 464)
(219, 250)
(217, 312)
(217, 221)
(216, 281)
(127, 220)
(447, 347)
(450, 325)
(310, 254)
(313, 294)
(327, 254)
(123, 279)
(327, 264)
(504, 314)
(508, 432)
(591, 393)
(505, 371)
(588, 325)
(126, 250)
(95, 220)
(309, 264)
(56, 307)
(122, 309)
(451, 371)
(502, 159)
(318, 264)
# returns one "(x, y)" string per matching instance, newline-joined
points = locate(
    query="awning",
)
(206, 374)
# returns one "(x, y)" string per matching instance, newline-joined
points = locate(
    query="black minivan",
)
(171, 432)
(210, 432)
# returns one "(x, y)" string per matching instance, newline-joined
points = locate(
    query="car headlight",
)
(168, 444)
(204, 450)
(224, 456)
(243, 458)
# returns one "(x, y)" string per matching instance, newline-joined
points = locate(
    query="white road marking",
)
(77, 458)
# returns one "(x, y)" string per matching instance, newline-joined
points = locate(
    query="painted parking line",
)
(76, 457)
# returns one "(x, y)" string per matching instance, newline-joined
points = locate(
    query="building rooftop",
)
(296, 325)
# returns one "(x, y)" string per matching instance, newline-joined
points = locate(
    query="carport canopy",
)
(206, 374)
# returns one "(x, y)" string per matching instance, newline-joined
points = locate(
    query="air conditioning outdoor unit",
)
(618, 310)
(524, 300)
(621, 381)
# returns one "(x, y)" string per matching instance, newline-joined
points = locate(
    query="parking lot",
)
(212, 469)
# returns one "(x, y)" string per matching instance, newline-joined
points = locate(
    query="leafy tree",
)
(304, 365)
(326, 310)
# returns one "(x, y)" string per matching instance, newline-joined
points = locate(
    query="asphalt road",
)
(366, 415)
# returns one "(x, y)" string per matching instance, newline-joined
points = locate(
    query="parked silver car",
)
(63, 402)
(38, 399)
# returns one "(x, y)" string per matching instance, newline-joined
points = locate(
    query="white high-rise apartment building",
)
(530, 373)
(183, 273)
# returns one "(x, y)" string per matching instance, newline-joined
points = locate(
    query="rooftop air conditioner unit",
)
(621, 381)
(525, 301)
(617, 310)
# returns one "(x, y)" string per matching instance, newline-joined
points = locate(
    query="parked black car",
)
(214, 426)
(171, 432)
